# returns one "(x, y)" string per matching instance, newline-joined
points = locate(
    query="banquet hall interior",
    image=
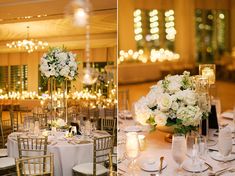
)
(58, 87)
(161, 42)
(197, 32)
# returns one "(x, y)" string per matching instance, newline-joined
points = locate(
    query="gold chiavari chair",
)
(102, 149)
(37, 165)
(109, 125)
(32, 146)
(7, 164)
(5, 130)
(110, 112)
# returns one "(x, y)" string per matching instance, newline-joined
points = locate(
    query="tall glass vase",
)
(65, 98)
(52, 88)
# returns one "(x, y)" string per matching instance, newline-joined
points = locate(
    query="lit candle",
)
(132, 145)
(208, 71)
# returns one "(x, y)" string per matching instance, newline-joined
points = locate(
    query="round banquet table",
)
(66, 155)
(156, 146)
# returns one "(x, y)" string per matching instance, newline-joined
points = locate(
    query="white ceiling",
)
(56, 28)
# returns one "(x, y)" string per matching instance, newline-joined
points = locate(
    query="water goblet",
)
(179, 150)
(201, 143)
(225, 142)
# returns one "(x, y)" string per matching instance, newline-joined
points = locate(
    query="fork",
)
(218, 172)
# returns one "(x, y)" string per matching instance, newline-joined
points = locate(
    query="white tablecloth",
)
(156, 147)
(66, 155)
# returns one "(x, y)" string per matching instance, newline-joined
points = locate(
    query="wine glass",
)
(201, 149)
(225, 142)
(132, 149)
(179, 149)
(191, 146)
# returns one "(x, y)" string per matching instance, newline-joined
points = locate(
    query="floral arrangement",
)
(173, 102)
(59, 123)
(59, 63)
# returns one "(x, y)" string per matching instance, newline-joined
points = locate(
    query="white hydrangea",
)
(190, 115)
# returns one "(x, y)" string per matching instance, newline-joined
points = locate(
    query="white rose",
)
(160, 118)
(142, 111)
(175, 83)
(152, 97)
(164, 102)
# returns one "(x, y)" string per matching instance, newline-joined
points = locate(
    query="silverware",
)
(161, 161)
(218, 172)
(215, 150)
(209, 166)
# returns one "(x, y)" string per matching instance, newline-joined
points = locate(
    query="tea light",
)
(208, 71)
(142, 141)
(132, 145)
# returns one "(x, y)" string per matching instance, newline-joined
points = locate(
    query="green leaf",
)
(170, 122)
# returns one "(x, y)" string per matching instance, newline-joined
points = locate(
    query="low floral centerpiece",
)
(60, 64)
(59, 124)
(173, 102)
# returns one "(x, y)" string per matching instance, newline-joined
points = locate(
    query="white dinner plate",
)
(227, 115)
(196, 167)
(151, 165)
(132, 129)
(217, 156)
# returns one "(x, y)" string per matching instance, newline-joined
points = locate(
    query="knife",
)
(161, 161)
(215, 150)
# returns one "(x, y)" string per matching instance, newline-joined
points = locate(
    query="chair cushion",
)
(7, 162)
(3, 152)
(87, 168)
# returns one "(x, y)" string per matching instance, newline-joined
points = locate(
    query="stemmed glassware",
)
(225, 142)
(132, 150)
(191, 146)
(201, 143)
(179, 150)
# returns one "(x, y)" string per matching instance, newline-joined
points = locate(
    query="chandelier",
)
(29, 45)
(90, 74)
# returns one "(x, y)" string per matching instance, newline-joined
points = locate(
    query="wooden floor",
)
(225, 91)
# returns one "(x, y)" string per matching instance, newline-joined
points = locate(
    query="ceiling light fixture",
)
(90, 74)
(29, 45)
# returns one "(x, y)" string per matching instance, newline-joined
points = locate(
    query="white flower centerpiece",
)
(59, 123)
(172, 102)
(60, 64)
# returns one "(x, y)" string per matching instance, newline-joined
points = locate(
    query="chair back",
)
(109, 125)
(38, 165)
(31, 146)
(5, 129)
(102, 148)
